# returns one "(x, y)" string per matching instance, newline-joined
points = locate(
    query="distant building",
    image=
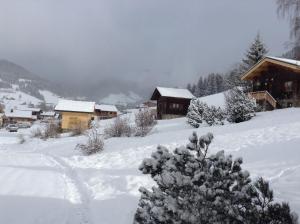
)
(1, 119)
(104, 111)
(171, 102)
(148, 104)
(275, 83)
(34, 111)
(46, 115)
(75, 114)
(19, 116)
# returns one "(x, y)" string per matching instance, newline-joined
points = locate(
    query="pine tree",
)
(200, 88)
(193, 187)
(239, 107)
(189, 87)
(214, 115)
(255, 53)
(195, 112)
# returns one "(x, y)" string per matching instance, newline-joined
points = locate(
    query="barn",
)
(171, 102)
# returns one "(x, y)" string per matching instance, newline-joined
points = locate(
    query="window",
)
(174, 106)
(288, 86)
(257, 83)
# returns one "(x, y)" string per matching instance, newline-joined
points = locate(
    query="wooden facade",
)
(170, 107)
(74, 120)
(104, 111)
(275, 83)
(105, 114)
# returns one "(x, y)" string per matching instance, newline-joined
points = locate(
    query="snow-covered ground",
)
(49, 182)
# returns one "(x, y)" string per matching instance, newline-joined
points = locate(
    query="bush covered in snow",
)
(94, 144)
(239, 107)
(199, 112)
(51, 130)
(144, 121)
(194, 187)
(120, 127)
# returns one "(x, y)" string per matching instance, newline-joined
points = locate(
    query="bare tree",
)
(290, 9)
(119, 128)
(144, 121)
(94, 144)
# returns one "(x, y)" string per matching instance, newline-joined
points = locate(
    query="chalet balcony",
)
(264, 96)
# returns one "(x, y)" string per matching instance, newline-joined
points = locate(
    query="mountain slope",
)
(20, 86)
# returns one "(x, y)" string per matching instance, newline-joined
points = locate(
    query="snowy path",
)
(76, 192)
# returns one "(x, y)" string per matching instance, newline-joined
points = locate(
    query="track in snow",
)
(76, 192)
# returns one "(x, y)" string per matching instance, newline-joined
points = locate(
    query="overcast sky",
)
(141, 40)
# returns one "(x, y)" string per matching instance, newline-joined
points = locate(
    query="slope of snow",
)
(217, 100)
(50, 182)
(13, 97)
(121, 99)
(49, 97)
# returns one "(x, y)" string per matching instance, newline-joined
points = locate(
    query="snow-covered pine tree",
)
(239, 107)
(255, 53)
(214, 116)
(194, 87)
(195, 112)
(195, 188)
(200, 88)
(189, 87)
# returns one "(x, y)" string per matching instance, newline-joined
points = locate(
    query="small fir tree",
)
(239, 107)
(214, 116)
(195, 112)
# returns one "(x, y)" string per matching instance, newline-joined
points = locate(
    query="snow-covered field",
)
(49, 182)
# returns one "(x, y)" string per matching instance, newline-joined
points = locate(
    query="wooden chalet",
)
(103, 111)
(275, 82)
(75, 114)
(171, 102)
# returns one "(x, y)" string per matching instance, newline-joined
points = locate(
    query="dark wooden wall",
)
(273, 80)
(172, 106)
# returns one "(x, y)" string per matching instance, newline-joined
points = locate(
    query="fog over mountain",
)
(98, 47)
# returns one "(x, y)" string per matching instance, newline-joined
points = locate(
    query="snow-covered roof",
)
(106, 107)
(48, 113)
(290, 61)
(75, 106)
(253, 71)
(20, 114)
(175, 92)
(28, 108)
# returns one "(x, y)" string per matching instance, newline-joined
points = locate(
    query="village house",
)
(275, 83)
(19, 116)
(104, 111)
(171, 102)
(48, 115)
(1, 119)
(34, 111)
(75, 114)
